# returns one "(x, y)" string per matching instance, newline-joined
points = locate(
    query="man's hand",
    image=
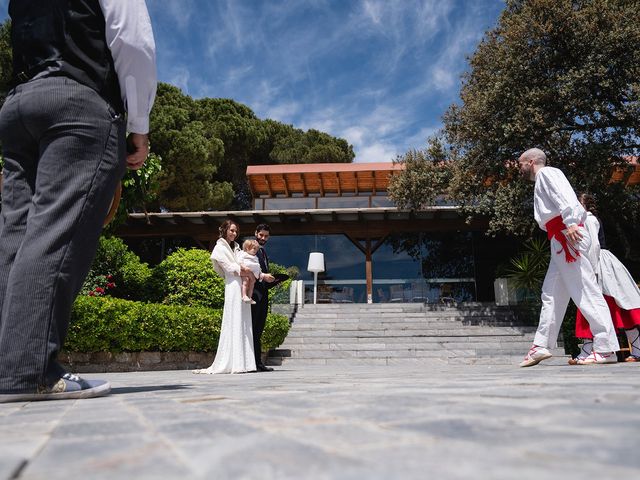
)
(573, 234)
(267, 277)
(138, 148)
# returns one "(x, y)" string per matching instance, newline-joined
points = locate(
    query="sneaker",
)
(535, 356)
(68, 387)
(579, 358)
(632, 358)
(598, 358)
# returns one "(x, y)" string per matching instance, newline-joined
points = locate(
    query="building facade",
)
(373, 251)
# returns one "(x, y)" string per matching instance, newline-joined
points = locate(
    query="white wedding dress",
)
(235, 346)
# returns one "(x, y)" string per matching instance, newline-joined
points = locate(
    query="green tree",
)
(562, 75)
(190, 155)
(426, 177)
(207, 144)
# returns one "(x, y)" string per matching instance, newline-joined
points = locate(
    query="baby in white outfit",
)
(247, 257)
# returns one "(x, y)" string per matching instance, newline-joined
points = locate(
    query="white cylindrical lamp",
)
(316, 264)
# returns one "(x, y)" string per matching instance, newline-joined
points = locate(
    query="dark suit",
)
(260, 309)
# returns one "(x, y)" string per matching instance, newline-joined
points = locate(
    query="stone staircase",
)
(391, 333)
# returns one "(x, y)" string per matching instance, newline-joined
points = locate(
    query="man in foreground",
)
(570, 274)
(78, 67)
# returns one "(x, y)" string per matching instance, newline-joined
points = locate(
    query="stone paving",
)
(340, 422)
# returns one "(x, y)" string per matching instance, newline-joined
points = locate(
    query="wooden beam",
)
(338, 184)
(356, 243)
(320, 185)
(379, 243)
(357, 186)
(373, 189)
(372, 229)
(369, 271)
(266, 179)
(304, 186)
(286, 185)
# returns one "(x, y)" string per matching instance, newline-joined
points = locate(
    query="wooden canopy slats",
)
(319, 179)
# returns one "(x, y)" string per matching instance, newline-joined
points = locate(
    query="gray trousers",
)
(64, 152)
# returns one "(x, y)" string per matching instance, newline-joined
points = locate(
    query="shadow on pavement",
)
(148, 388)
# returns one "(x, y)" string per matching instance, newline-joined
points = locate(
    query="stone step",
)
(411, 341)
(400, 333)
(347, 316)
(385, 325)
(387, 334)
(299, 339)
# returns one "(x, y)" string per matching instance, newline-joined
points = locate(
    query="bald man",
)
(570, 274)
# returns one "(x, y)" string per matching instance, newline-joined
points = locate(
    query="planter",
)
(505, 293)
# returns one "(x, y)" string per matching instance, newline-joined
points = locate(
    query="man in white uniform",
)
(570, 274)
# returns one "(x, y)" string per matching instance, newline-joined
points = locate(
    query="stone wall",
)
(99, 362)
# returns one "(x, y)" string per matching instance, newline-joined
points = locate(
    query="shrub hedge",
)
(186, 277)
(110, 324)
(130, 275)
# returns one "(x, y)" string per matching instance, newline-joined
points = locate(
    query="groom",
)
(261, 296)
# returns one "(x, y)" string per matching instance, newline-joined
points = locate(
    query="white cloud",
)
(181, 13)
(179, 76)
(283, 112)
(376, 152)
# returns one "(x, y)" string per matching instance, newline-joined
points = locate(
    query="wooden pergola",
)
(366, 228)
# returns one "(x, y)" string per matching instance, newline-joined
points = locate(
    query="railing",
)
(428, 290)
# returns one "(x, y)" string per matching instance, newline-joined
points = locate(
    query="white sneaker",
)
(598, 358)
(536, 355)
(585, 351)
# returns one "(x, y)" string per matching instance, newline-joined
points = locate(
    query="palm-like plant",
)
(528, 268)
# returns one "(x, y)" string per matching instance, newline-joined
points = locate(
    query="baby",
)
(247, 258)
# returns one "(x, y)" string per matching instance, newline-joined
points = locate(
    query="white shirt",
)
(553, 196)
(130, 39)
(592, 225)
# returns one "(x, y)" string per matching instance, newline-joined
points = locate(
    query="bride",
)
(235, 346)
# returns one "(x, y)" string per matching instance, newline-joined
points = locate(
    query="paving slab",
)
(337, 421)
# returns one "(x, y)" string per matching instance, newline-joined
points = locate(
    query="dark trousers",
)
(64, 152)
(258, 320)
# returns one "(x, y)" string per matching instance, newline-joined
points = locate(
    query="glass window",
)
(304, 203)
(424, 267)
(343, 202)
(382, 202)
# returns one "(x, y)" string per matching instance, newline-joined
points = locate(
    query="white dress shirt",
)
(554, 196)
(130, 39)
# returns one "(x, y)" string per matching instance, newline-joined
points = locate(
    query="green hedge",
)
(187, 277)
(130, 275)
(110, 324)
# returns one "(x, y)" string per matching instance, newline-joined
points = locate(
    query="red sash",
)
(554, 230)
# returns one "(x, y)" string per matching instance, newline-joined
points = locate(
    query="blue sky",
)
(379, 73)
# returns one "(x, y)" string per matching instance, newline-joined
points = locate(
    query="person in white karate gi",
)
(570, 274)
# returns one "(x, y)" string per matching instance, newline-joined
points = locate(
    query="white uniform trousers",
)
(575, 280)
